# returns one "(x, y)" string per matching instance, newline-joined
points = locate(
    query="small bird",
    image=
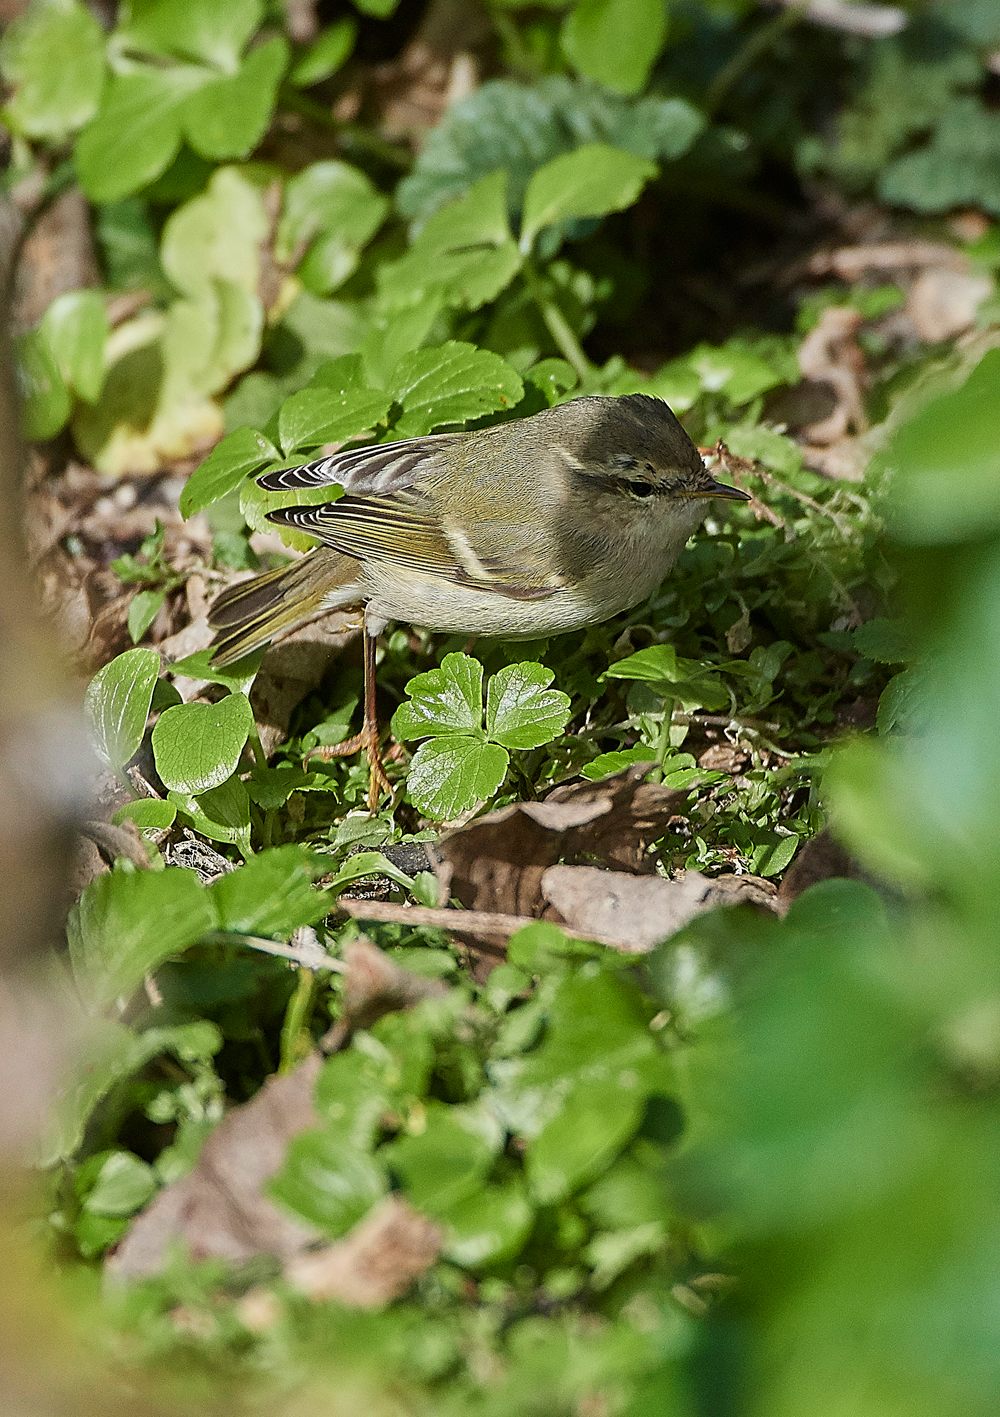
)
(525, 529)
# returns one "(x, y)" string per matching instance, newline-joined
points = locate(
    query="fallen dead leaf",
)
(220, 1209)
(851, 262)
(942, 303)
(634, 913)
(374, 986)
(830, 354)
(374, 1263)
(724, 757)
(497, 861)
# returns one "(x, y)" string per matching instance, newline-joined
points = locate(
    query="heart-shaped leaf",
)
(197, 746)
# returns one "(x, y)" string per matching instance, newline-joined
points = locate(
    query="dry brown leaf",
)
(831, 354)
(496, 862)
(942, 303)
(220, 1209)
(375, 1262)
(374, 986)
(636, 912)
(851, 262)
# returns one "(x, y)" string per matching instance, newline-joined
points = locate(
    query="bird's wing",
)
(377, 469)
(405, 529)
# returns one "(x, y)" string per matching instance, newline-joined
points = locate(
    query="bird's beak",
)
(721, 489)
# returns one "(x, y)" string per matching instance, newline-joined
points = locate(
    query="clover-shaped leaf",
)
(462, 763)
(521, 710)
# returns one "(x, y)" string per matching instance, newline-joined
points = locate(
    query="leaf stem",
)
(556, 323)
(758, 42)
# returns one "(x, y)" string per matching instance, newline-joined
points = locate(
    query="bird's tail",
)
(254, 612)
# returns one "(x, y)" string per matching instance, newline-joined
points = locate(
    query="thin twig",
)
(463, 922)
(307, 954)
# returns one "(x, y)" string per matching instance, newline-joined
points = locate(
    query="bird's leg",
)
(369, 735)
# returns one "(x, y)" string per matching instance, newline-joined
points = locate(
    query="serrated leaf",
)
(45, 399)
(451, 384)
(226, 468)
(443, 702)
(270, 895)
(519, 127)
(53, 56)
(126, 924)
(325, 413)
(886, 641)
(590, 182)
(449, 775)
(465, 252)
(142, 611)
(331, 211)
(76, 328)
(904, 704)
(197, 746)
(135, 135)
(227, 117)
(116, 705)
(214, 34)
(327, 53)
(521, 710)
(615, 42)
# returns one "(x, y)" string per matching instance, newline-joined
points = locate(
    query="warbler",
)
(526, 529)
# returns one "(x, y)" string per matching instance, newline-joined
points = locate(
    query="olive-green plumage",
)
(528, 528)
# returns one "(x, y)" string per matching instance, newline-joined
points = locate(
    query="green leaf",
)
(46, 401)
(197, 746)
(227, 117)
(53, 56)
(327, 53)
(447, 1161)
(227, 466)
(451, 384)
(737, 370)
(135, 135)
(216, 236)
(127, 923)
(465, 252)
(116, 705)
(328, 1183)
(76, 327)
(221, 814)
(590, 182)
(142, 611)
(443, 702)
(330, 214)
(903, 705)
(336, 406)
(690, 682)
(215, 34)
(947, 463)
(488, 1227)
(148, 813)
(615, 42)
(521, 710)
(519, 127)
(121, 1184)
(270, 895)
(885, 641)
(237, 676)
(449, 775)
(605, 764)
(960, 167)
(110, 1052)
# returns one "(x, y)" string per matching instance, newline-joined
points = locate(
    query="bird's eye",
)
(640, 489)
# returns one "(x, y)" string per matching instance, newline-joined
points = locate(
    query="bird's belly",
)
(439, 604)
